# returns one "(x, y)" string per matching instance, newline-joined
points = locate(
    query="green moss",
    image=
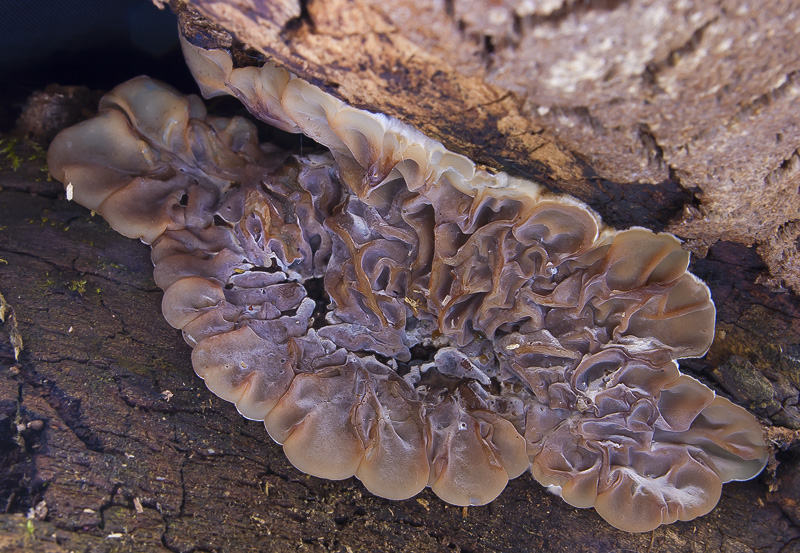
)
(78, 286)
(8, 149)
(49, 282)
(9, 152)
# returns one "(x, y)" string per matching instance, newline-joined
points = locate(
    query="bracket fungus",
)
(391, 312)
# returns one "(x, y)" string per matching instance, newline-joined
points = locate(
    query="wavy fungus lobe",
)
(393, 313)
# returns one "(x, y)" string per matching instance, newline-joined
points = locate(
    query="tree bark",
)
(610, 101)
(109, 442)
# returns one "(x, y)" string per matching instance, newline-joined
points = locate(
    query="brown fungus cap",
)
(391, 312)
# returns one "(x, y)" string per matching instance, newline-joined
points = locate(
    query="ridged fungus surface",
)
(392, 312)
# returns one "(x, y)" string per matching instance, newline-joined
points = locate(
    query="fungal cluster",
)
(392, 312)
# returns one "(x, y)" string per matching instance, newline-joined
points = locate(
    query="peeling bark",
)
(697, 98)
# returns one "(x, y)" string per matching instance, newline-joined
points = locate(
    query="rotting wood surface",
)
(596, 98)
(109, 442)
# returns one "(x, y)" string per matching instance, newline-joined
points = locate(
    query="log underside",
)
(599, 98)
(109, 442)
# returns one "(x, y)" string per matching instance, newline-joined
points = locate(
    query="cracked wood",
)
(693, 98)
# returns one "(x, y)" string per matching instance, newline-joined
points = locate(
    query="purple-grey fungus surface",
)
(391, 312)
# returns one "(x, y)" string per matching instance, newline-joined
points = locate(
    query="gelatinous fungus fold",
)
(392, 312)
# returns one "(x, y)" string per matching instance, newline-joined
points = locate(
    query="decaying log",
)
(694, 102)
(109, 442)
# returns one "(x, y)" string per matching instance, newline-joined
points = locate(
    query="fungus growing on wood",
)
(391, 312)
